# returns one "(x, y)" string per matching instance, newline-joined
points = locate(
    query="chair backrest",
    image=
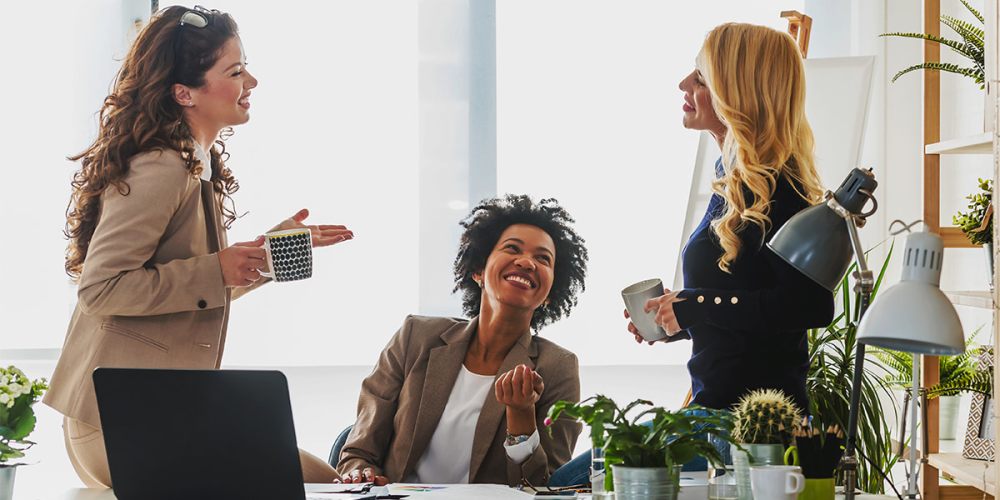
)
(338, 444)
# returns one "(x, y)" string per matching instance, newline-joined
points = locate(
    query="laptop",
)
(199, 434)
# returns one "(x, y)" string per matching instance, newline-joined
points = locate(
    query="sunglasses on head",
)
(198, 17)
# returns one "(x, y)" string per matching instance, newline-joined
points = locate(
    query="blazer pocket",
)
(112, 327)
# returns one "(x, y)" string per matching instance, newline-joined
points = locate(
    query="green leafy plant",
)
(970, 47)
(958, 373)
(980, 209)
(668, 438)
(832, 351)
(17, 419)
(765, 416)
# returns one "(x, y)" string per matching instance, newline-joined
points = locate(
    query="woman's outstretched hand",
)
(323, 235)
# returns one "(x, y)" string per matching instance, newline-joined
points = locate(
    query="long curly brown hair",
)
(140, 114)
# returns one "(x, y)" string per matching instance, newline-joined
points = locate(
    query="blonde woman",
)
(744, 309)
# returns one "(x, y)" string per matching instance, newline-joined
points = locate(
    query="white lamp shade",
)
(914, 315)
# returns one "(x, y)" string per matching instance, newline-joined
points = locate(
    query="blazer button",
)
(202, 304)
(701, 298)
(735, 300)
(718, 300)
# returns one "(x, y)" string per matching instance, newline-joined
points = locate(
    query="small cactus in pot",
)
(765, 416)
(765, 419)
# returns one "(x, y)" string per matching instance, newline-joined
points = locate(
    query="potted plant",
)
(977, 223)
(764, 422)
(17, 420)
(832, 350)
(645, 452)
(958, 374)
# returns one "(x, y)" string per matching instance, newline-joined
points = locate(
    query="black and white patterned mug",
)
(289, 254)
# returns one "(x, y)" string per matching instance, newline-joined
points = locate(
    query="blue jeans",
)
(577, 471)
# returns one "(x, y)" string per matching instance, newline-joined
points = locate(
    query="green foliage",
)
(971, 221)
(958, 373)
(970, 47)
(831, 367)
(765, 416)
(674, 438)
(17, 418)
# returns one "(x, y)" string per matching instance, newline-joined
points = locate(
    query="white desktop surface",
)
(464, 491)
(488, 492)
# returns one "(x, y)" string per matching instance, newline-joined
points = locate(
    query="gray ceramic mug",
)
(635, 297)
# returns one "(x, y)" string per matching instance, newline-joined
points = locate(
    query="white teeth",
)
(519, 280)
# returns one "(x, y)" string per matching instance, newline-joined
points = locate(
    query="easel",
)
(799, 26)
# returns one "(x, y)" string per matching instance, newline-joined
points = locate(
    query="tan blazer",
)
(151, 293)
(402, 401)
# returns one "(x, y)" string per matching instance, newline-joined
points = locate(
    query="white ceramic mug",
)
(776, 482)
(635, 297)
(289, 254)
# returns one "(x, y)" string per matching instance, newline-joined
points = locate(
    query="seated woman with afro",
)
(465, 400)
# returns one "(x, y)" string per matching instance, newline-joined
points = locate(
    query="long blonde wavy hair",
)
(757, 82)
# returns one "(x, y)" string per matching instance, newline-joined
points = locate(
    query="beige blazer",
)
(151, 294)
(402, 401)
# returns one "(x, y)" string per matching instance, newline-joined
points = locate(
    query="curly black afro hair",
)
(483, 228)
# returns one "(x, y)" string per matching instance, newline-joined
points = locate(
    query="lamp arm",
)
(864, 286)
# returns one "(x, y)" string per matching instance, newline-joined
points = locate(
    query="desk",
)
(479, 491)
(454, 492)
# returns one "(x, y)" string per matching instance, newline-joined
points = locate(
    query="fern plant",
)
(831, 366)
(970, 47)
(958, 373)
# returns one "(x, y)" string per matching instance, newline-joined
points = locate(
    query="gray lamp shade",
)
(914, 315)
(816, 242)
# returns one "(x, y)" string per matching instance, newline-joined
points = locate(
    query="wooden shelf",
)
(980, 144)
(976, 473)
(953, 237)
(978, 299)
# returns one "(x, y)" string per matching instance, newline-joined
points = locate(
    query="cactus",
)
(765, 416)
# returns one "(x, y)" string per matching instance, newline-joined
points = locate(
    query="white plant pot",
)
(7, 482)
(756, 454)
(948, 417)
(988, 249)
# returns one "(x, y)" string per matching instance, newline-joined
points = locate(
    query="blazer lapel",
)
(443, 365)
(211, 216)
(524, 352)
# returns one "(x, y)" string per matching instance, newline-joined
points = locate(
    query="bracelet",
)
(513, 440)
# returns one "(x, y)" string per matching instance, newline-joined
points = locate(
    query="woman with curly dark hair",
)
(462, 401)
(147, 223)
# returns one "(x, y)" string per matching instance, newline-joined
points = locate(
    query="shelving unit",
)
(975, 477)
(977, 299)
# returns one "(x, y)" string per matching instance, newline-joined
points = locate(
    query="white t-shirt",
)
(206, 162)
(449, 453)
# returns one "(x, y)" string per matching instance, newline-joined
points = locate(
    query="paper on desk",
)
(457, 491)
(333, 487)
(325, 491)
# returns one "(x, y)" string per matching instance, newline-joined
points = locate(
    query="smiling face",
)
(223, 101)
(699, 114)
(520, 269)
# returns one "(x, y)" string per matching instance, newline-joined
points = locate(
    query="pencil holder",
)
(818, 489)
